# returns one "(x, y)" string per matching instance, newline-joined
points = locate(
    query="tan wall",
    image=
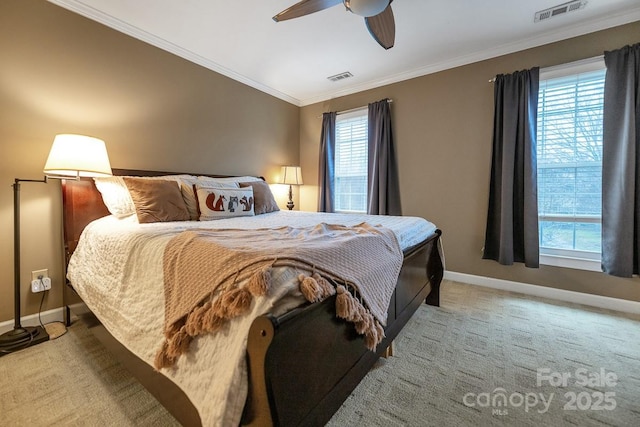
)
(61, 73)
(443, 127)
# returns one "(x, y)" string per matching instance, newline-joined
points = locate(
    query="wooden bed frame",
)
(302, 365)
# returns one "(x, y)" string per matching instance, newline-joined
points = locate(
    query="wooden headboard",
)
(82, 203)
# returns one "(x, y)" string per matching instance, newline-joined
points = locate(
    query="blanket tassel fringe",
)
(210, 317)
(315, 288)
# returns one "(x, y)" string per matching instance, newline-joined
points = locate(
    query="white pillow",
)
(115, 196)
(231, 179)
(217, 202)
(115, 193)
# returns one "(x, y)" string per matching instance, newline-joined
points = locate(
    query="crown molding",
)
(505, 49)
(564, 33)
(137, 33)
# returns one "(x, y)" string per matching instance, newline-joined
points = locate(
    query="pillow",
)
(115, 196)
(216, 202)
(262, 196)
(230, 179)
(115, 193)
(157, 200)
(186, 187)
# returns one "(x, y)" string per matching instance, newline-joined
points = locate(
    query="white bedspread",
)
(117, 270)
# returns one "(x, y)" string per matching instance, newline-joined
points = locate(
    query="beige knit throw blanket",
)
(211, 276)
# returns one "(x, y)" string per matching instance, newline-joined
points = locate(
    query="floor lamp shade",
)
(77, 156)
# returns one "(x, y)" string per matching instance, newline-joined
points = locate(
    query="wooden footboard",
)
(304, 364)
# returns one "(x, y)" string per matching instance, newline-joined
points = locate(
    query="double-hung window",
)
(351, 170)
(569, 158)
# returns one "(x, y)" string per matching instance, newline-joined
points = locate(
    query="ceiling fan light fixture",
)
(366, 8)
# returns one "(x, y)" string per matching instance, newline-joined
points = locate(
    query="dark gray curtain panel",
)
(383, 185)
(512, 221)
(621, 163)
(326, 167)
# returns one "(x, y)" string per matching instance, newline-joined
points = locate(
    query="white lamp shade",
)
(77, 156)
(366, 8)
(291, 175)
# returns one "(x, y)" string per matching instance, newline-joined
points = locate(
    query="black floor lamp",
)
(71, 156)
(20, 337)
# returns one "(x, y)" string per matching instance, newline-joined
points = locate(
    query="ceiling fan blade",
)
(382, 28)
(305, 7)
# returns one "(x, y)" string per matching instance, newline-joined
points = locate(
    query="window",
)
(569, 155)
(351, 162)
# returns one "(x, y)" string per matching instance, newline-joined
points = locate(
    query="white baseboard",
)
(54, 315)
(547, 292)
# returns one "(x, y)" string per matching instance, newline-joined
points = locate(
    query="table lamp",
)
(291, 175)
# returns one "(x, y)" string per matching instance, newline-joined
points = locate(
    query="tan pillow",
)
(115, 193)
(216, 203)
(262, 197)
(157, 200)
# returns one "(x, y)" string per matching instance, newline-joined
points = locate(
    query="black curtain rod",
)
(353, 109)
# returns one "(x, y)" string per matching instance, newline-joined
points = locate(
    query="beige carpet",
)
(73, 381)
(480, 340)
(479, 343)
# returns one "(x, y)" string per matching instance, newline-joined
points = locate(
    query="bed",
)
(298, 363)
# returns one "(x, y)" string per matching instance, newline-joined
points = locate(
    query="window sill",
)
(571, 262)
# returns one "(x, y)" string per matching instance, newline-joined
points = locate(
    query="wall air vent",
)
(559, 10)
(340, 76)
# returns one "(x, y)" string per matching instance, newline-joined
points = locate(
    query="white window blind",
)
(351, 162)
(569, 156)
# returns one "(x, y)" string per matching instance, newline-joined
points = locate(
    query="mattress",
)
(117, 270)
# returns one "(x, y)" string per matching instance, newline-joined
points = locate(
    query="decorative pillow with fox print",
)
(216, 203)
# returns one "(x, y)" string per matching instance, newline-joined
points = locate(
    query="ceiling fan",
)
(377, 14)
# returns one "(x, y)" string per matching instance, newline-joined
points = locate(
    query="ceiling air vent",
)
(559, 10)
(340, 76)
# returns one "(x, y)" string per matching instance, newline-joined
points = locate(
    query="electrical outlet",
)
(40, 280)
(37, 273)
(39, 285)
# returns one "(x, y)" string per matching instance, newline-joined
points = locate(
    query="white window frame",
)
(580, 260)
(359, 112)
